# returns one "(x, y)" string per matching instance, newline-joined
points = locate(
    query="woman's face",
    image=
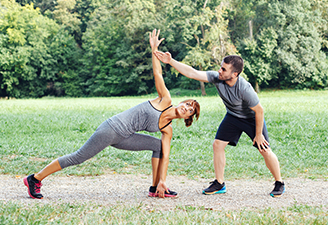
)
(186, 109)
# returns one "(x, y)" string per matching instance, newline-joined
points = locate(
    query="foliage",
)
(63, 14)
(284, 44)
(258, 56)
(196, 34)
(34, 50)
(74, 14)
(302, 62)
(85, 9)
(287, 50)
(43, 5)
(117, 54)
(213, 44)
(321, 6)
(240, 14)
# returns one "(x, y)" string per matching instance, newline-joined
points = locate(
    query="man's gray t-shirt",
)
(239, 98)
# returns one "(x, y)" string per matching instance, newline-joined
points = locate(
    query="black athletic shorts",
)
(232, 127)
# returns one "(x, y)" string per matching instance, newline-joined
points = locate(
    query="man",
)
(244, 114)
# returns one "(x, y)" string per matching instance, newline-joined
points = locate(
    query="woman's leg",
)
(51, 168)
(155, 165)
(140, 142)
(101, 138)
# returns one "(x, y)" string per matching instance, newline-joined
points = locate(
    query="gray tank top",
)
(142, 117)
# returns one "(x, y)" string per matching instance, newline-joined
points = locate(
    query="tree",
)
(213, 44)
(33, 51)
(63, 14)
(43, 5)
(258, 57)
(321, 6)
(240, 13)
(85, 9)
(197, 34)
(286, 52)
(303, 64)
(117, 54)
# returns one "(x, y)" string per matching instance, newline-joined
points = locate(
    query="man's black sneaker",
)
(33, 185)
(279, 189)
(169, 194)
(215, 188)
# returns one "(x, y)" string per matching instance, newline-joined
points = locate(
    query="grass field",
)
(33, 132)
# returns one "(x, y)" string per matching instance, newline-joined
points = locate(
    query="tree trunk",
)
(250, 24)
(202, 87)
(257, 87)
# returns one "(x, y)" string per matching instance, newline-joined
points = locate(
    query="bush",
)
(34, 52)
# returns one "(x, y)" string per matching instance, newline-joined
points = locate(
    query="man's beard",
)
(226, 79)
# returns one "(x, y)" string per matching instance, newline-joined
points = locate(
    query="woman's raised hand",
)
(153, 39)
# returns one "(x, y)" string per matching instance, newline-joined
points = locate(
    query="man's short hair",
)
(236, 61)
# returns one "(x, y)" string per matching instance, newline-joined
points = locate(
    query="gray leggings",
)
(105, 136)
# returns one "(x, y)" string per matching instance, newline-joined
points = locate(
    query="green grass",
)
(13, 213)
(33, 132)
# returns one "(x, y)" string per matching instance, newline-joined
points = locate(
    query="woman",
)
(120, 132)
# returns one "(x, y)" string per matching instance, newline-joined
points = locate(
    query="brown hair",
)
(236, 61)
(196, 106)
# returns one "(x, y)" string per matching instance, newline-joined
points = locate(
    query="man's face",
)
(226, 72)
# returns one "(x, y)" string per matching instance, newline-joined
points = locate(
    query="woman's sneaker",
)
(152, 191)
(215, 188)
(33, 185)
(279, 189)
(169, 194)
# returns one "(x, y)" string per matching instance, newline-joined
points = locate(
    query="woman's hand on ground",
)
(161, 189)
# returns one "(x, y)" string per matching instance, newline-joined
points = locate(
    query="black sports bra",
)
(168, 122)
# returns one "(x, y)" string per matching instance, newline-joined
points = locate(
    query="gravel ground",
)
(133, 189)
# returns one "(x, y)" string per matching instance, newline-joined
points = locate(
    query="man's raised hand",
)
(164, 57)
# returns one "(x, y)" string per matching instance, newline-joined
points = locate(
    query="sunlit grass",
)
(33, 132)
(14, 213)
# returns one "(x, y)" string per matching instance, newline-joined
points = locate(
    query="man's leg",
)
(272, 163)
(271, 160)
(219, 159)
(230, 133)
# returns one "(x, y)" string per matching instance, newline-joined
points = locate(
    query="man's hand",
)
(161, 189)
(164, 57)
(262, 144)
(153, 39)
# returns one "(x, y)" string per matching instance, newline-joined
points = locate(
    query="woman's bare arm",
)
(162, 91)
(164, 161)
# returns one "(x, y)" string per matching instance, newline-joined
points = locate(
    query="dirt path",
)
(133, 190)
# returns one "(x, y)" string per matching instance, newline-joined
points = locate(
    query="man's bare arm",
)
(182, 68)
